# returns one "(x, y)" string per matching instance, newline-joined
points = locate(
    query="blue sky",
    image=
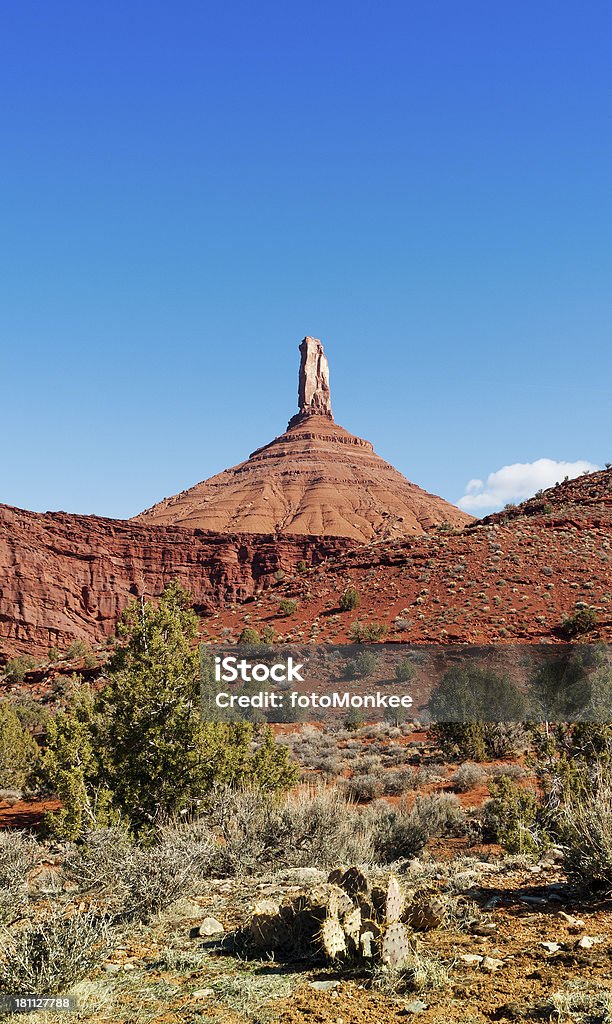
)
(189, 188)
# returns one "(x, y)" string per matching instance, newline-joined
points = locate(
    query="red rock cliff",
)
(64, 576)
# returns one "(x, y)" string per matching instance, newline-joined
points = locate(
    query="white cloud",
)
(519, 481)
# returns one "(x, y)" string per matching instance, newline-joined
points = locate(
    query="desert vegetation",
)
(234, 871)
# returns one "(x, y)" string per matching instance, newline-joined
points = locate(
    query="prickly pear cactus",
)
(395, 946)
(351, 923)
(395, 901)
(378, 897)
(354, 881)
(424, 911)
(344, 921)
(333, 938)
(367, 945)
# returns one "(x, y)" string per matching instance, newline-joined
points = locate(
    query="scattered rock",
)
(588, 941)
(203, 993)
(209, 927)
(324, 986)
(416, 1006)
(490, 964)
(473, 959)
(551, 947)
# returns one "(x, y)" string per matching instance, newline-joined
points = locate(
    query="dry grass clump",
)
(423, 972)
(581, 1003)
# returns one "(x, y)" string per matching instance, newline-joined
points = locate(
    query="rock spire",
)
(314, 397)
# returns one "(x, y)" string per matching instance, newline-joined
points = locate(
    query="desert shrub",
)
(96, 864)
(514, 817)
(349, 600)
(362, 788)
(567, 685)
(503, 739)
(18, 855)
(428, 775)
(249, 636)
(72, 770)
(395, 717)
(471, 694)
(479, 741)
(77, 649)
(361, 666)
(354, 720)
(398, 834)
(511, 771)
(16, 668)
(439, 814)
(369, 762)
(315, 828)
(401, 833)
(583, 620)
(51, 956)
(288, 607)
(156, 876)
(18, 750)
(141, 880)
(460, 739)
(398, 782)
(329, 764)
(404, 670)
(366, 632)
(584, 824)
(402, 624)
(468, 776)
(30, 712)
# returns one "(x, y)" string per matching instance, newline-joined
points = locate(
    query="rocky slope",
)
(315, 479)
(65, 576)
(512, 577)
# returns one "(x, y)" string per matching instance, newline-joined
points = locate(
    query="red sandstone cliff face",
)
(65, 576)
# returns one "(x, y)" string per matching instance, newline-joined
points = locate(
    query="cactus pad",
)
(354, 881)
(332, 937)
(395, 946)
(395, 901)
